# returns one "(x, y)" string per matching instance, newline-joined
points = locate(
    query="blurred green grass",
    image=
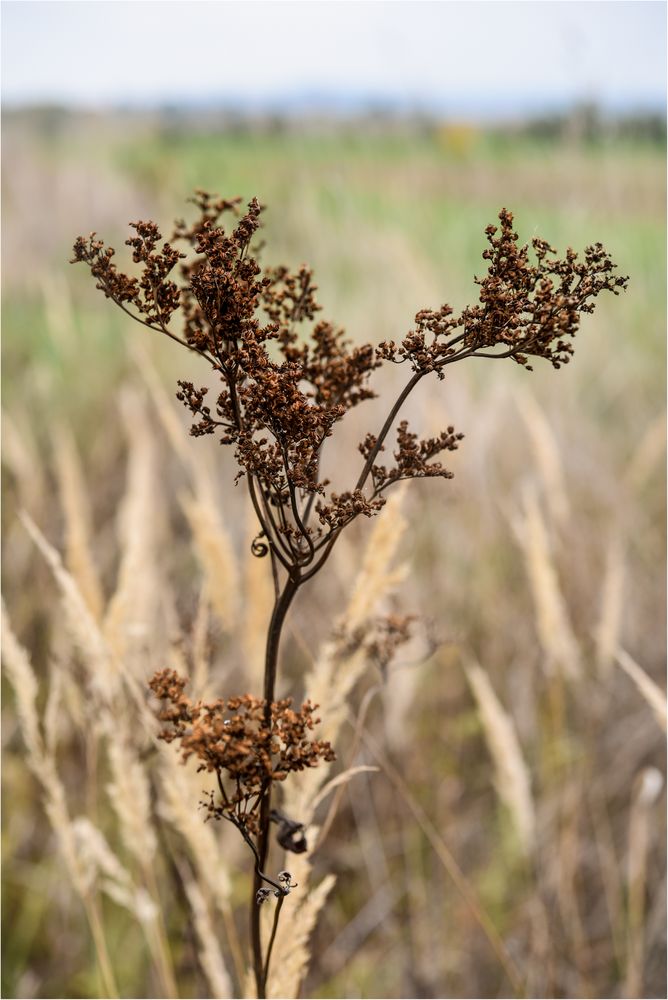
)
(389, 223)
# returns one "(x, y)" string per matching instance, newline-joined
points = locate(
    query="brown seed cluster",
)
(525, 309)
(237, 740)
(286, 377)
(154, 295)
(380, 638)
(390, 633)
(414, 458)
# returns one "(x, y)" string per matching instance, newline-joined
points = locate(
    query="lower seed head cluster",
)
(247, 746)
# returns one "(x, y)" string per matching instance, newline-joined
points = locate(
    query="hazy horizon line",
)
(319, 100)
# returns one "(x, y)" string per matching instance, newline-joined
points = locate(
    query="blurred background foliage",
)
(559, 479)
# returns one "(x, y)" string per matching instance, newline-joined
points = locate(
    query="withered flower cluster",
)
(287, 379)
(391, 632)
(378, 638)
(525, 310)
(233, 739)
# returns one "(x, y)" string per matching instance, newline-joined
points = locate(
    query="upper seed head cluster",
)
(287, 378)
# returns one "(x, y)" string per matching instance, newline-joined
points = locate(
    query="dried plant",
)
(285, 381)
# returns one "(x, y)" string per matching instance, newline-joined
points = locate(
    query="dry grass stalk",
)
(129, 787)
(650, 691)
(100, 664)
(130, 617)
(375, 580)
(210, 954)
(22, 678)
(76, 509)
(200, 648)
(20, 455)
(180, 786)
(447, 859)
(513, 781)
(43, 765)
(128, 790)
(554, 628)
(55, 719)
(74, 699)
(212, 542)
(215, 552)
(546, 453)
(401, 684)
(105, 671)
(649, 453)
(610, 869)
(358, 725)
(56, 809)
(99, 862)
(129, 793)
(377, 912)
(568, 848)
(646, 793)
(105, 870)
(343, 659)
(341, 779)
(166, 410)
(608, 629)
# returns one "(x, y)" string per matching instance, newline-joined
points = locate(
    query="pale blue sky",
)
(458, 55)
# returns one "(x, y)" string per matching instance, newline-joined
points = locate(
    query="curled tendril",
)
(259, 548)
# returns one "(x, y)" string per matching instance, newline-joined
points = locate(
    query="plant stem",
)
(274, 637)
(281, 607)
(277, 913)
(373, 454)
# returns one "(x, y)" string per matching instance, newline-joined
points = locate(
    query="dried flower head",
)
(284, 385)
(525, 309)
(235, 739)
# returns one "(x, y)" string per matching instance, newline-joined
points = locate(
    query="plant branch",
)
(163, 329)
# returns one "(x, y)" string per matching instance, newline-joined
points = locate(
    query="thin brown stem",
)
(261, 848)
(295, 509)
(277, 913)
(387, 426)
(261, 511)
(274, 637)
(276, 536)
(163, 329)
